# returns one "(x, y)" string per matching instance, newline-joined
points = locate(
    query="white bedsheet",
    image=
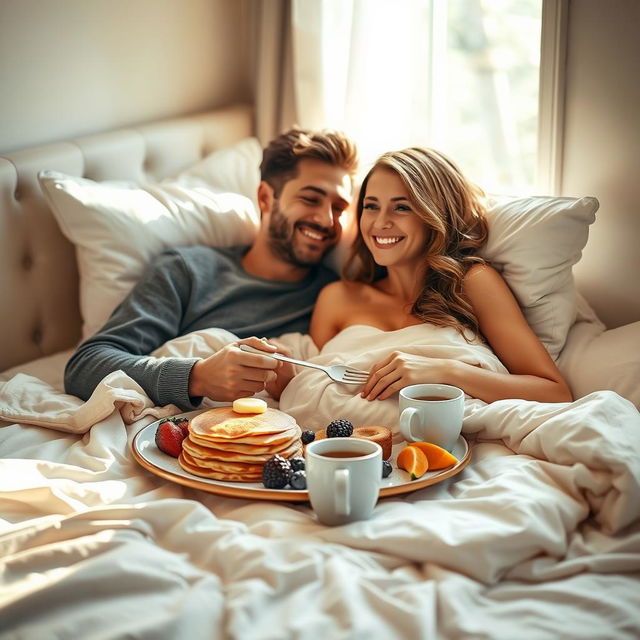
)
(539, 537)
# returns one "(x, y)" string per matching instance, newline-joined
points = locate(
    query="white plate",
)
(151, 458)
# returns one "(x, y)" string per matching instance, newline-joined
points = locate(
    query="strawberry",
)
(169, 437)
(183, 423)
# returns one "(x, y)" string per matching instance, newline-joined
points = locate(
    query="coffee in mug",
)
(343, 478)
(431, 413)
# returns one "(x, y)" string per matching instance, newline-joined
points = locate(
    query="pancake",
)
(223, 467)
(223, 423)
(218, 475)
(196, 450)
(266, 440)
(233, 447)
(244, 447)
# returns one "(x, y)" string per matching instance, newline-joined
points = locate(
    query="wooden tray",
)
(151, 458)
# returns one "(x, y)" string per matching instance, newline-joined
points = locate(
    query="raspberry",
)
(339, 429)
(276, 472)
(297, 464)
(298, 480)
(308, 436)
(386, 468)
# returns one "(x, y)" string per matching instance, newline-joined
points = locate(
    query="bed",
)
(537, 537)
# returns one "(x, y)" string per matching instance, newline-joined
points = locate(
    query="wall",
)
(602, 149)
(73, 67)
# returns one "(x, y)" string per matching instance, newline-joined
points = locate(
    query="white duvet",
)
(314, 399)
(539, 537)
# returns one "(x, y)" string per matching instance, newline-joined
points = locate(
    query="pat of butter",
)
(249, 405)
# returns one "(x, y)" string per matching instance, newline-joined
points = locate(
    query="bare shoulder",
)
(340, 291)
(481, 272)
(482, 279)
(333, 305)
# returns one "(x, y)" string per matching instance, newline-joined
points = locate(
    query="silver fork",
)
(337, 372)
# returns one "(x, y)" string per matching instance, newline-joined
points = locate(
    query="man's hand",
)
(283, 373)
(231, 373)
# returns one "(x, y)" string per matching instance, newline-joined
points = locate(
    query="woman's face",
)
(391, 230)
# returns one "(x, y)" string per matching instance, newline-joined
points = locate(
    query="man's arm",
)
(150, 315)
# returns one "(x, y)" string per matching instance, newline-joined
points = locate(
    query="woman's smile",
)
(386, 242)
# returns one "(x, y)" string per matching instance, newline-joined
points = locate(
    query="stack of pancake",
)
(225, 445)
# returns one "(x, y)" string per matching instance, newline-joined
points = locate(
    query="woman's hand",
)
(400, 370)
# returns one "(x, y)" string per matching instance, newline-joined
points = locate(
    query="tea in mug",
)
(432, 398)
(343, 454)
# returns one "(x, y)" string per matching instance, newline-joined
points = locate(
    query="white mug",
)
(432, 413)
(343, 489)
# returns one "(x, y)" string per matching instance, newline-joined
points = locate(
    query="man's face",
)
(305, 220)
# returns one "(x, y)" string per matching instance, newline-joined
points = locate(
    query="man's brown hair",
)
(281, 156)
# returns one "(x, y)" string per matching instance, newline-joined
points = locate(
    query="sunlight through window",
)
(457, 75)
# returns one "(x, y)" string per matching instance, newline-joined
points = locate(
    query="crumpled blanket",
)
(29, 400)
(314, 399)
(538, 537)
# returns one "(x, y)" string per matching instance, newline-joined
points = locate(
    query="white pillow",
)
(534, 242)
(118, 228)
(235, 169)
(595, 358)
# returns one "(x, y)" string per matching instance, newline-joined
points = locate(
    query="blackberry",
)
(276, 472)
(386, 468)
(298, 479)
(339, 429)
(297, 464)
(308, 436)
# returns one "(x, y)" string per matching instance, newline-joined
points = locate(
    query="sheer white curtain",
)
(458, 75)
(363, 66)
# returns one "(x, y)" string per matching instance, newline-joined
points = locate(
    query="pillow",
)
(534, 242)
(595, 358)
(235, 169)
(117, 228)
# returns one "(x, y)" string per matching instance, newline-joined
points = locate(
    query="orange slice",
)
(438, 457)
(414, 461)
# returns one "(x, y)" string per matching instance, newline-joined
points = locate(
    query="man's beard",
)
(282, 243)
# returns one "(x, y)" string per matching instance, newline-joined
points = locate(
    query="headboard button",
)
(27, 262)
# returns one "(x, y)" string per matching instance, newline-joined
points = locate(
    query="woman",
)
(422, 222)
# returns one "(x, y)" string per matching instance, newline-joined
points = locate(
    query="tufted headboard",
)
(38, 272)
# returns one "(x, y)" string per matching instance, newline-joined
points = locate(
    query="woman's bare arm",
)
(326, 317)
(532, 373)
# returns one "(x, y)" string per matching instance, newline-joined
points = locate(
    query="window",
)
(458, 75)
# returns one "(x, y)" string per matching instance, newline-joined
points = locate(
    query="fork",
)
(337, 372)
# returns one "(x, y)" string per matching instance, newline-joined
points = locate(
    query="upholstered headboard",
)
(38, 272)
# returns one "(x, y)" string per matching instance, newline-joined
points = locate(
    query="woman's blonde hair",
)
(451, 208)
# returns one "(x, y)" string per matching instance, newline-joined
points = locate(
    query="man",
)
(266, 289)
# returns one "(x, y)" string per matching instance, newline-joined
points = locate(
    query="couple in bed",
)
(413, 267)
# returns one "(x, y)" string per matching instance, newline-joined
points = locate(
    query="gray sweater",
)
(184, 290)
